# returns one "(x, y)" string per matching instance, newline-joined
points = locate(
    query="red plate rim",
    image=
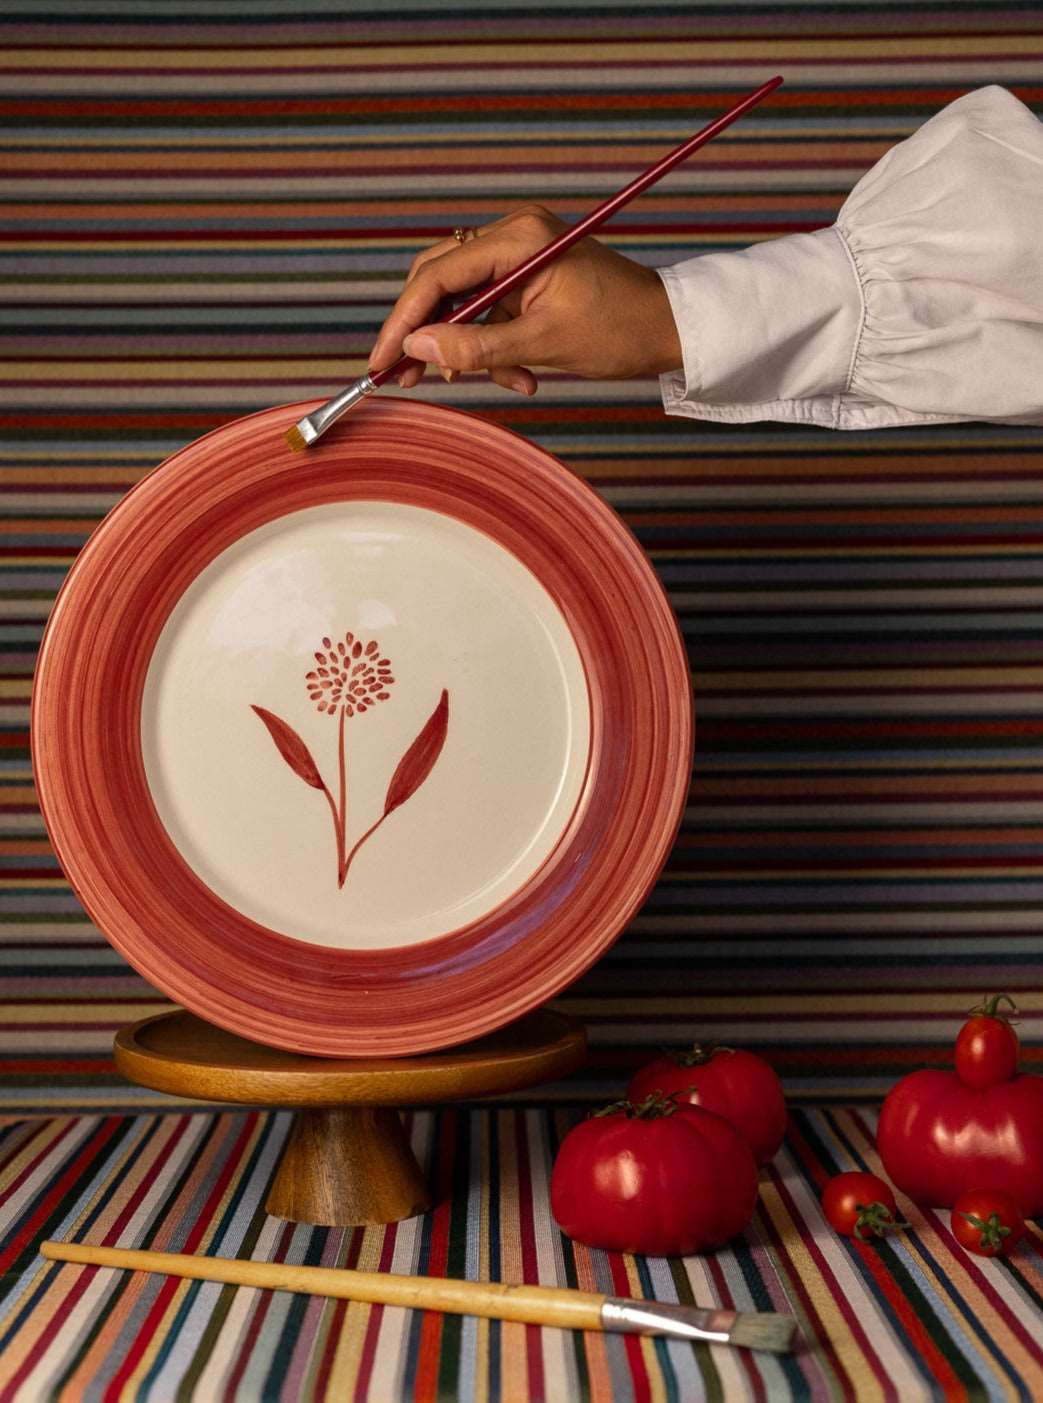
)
(154, 909)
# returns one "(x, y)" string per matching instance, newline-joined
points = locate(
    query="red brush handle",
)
(481, 301)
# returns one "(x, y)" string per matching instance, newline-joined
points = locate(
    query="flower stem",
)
(336, 817)
(342, 805)
(372, 829)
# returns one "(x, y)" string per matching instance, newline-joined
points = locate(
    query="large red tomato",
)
(740, 1086)
(939, 1138)
(658, 1178)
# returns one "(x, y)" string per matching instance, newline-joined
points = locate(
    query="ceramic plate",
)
(366, 750)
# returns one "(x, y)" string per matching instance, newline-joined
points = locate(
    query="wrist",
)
(662, 340)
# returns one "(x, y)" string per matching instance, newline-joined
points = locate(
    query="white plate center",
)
(462, 799)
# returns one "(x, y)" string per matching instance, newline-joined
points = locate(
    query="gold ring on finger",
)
(461, 234)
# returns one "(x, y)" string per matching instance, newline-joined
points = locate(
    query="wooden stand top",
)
(186, 1056)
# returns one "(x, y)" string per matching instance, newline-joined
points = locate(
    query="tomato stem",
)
(992, 1232)
(990, 1008)
(698, 1054)
(655, 1105)
(876, 1218)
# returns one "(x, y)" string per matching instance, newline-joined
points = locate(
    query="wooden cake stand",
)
(347, 1159)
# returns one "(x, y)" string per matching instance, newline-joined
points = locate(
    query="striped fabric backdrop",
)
(208, 208)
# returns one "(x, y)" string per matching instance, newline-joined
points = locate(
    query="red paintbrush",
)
(311, 428)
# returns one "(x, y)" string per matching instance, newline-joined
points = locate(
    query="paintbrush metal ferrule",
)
(313, 426)
(630, 1317)
(697, 1324)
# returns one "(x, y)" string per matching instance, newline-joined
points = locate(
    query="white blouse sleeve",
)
(923, 304)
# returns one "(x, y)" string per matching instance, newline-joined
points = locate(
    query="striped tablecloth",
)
(208, 208)
(911, 1319)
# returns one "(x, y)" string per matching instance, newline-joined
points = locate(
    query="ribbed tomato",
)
(939, 1138)
(658, 1178)
(738, 1085)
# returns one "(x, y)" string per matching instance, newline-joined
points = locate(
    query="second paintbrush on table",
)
(532, 1305)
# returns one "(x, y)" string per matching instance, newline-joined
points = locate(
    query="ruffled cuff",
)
(922, 305)
(768, 332)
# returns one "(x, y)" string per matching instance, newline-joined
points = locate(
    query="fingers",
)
(500, 346)
(412, 376)
(511, 377)
(516, 378)
(449, 267)
(458, 270)
(451, 244)
(415, 373)
(425, 255)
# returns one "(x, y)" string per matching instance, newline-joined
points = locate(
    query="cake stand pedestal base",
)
(347, 1159)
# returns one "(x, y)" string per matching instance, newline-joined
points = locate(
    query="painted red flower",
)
(351, 676)
(350, 673)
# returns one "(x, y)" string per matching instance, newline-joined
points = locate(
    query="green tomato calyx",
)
(992, 1232)
(875, 1218)
(990, 1008)
(656, 1105)
(698, 1055)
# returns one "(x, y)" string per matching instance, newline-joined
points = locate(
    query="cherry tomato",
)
(738, 1085)
(858, 1204)
(657, 1177)
(987, 1046)
(987, 1222)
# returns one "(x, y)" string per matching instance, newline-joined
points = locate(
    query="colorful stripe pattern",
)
(208, 212)
(208, 209)
(911, 1318)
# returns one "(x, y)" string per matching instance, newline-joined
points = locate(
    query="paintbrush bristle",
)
(764, 1331)
(295, 439)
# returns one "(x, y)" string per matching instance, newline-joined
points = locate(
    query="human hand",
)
(591, 312)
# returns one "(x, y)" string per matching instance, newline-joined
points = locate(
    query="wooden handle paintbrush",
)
(310, 428)
(532, 1305)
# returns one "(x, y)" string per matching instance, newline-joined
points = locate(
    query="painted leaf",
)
(291, 748)
(419, 759)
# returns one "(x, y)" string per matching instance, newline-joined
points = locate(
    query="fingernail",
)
(422, 346)
(520, 384)
(448, 375)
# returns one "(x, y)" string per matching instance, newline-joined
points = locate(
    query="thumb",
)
(473, 347)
